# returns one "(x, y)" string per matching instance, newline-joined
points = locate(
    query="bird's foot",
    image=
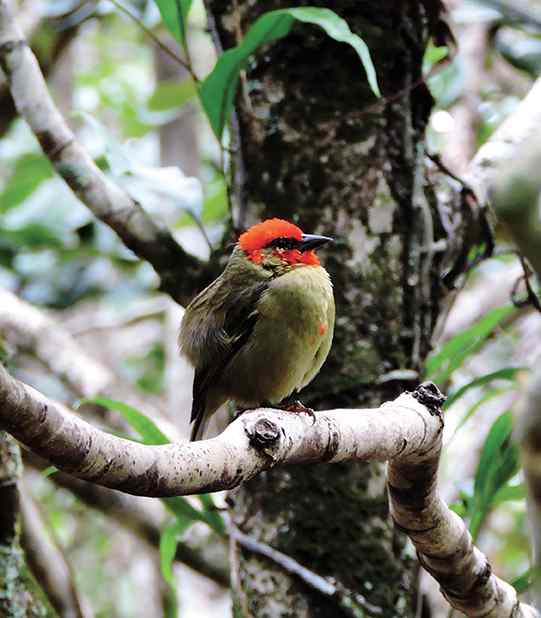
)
(299, 408)
(240, 412)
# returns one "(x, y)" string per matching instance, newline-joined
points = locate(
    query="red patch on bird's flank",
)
(322, 329)
(261, 234)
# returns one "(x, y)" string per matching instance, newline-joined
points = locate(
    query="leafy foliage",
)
(441, 365)
(218, 90)
(508, 374)
(150, 433)
(142, 424)
(169, 10)
(498, 463)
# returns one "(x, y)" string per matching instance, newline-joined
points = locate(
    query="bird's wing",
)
(239, 319)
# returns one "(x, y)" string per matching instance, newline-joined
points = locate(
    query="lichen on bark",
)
(20, 595)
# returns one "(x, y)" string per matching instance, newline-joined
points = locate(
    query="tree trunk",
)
(20, 595)
(317, 147)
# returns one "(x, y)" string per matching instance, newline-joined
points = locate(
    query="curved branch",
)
(505, 143)
(406, 432)
(515, 194)
(180, 273)
(48, 563)
(146, 519)
(256, 441)
(30, 330)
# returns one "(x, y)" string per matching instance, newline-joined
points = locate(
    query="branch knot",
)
(263, 434)
(430, 396)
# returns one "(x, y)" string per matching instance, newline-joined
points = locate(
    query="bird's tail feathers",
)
(199, 426)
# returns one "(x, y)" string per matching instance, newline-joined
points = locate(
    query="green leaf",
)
(169, 12)
(509, 493)
(183, 510)
(171, 94)
(151, 434)
(212, 513)
(218, 90)
(31, 236)
(458, 508)
(524, 581)
(454, 352)
(509, 373)
(433, 55)
(142, 424)
(29, 172)
(474, 408)
(168, 547)
(494, 463)
(498, 463)
(49, 471)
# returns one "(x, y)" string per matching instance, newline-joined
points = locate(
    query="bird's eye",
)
(284, 243)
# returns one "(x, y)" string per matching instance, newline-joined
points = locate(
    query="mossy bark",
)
(316, 146)
(20, 595)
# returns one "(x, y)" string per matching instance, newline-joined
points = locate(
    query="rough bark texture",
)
(317, 147)
(19, 593)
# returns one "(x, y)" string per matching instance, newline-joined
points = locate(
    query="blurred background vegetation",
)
(136, 111)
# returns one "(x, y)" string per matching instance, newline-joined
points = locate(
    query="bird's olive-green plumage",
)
(257, 334)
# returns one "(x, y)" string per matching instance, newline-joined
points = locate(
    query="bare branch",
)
(515, 194)
(180, 272)
(20, 595)
(146, 518)
(31, 331)
(345, 598)
(48, 562)
(515, 191)
(406, 432)
(505, 143)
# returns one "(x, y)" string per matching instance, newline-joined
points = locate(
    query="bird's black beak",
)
(313, 241)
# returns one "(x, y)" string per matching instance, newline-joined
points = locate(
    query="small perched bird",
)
(262, 330)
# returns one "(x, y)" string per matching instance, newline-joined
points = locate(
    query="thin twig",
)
(345, 598)
(156, 40)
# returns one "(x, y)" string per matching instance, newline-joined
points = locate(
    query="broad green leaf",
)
(144, 426)
(509, 373)
(29, 172)
(169, 12)
(454, 352)
(498, 463)
(218, 90)
(171, 94)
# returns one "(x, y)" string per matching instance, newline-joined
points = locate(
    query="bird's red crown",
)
(261, 234)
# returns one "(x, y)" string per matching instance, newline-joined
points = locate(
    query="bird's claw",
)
(299, 408)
